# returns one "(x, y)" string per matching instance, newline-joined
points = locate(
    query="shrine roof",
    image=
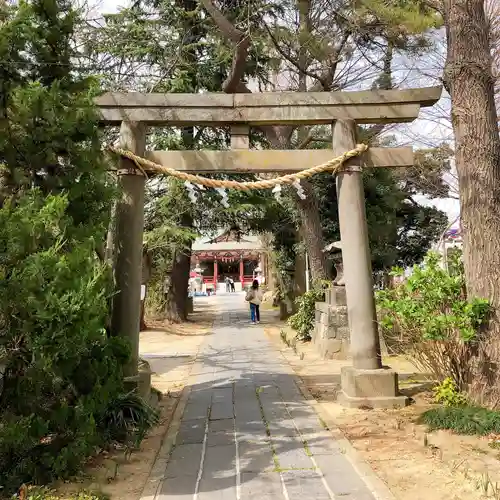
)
(246, 242)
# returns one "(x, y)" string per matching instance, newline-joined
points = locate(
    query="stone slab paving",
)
(247, 432)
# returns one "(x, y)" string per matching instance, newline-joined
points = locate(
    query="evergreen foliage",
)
(61, 374)
(303, 320)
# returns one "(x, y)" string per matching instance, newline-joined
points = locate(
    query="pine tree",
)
(61, 371)
(48, 130)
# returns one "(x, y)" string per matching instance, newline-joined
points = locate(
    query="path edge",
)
(156, 475)
(375, 484)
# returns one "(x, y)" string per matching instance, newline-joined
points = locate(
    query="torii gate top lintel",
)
(266, 108)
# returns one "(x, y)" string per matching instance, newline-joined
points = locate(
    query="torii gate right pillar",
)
(366, 383)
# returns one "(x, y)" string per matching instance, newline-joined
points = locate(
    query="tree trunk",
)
(177, 293)
(469, 80)
(313, 234)
(299, 277)
(147, 269)
(308, 208)
(143, 327)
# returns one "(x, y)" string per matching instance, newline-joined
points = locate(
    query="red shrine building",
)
(231, 254)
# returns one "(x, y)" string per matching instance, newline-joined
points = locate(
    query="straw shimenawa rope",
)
(333, 165)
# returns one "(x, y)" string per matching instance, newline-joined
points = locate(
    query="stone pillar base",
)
(370, 388)
(144, 380)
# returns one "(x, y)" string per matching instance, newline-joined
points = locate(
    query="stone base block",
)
(330, 335)
(370, 388)
(336, 296)
(333, 348)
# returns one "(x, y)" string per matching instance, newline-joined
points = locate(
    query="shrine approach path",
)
(247, 432)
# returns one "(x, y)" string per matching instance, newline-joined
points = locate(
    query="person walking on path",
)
(254, 297)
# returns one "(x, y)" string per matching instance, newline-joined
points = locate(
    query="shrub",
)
(62, 393)
(463, 419)
(429, 318)
(303, 320)
(61, 369)
(127, 419)
(448, 394)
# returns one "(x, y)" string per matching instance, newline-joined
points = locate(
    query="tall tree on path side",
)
(469, 79)
(61, 371)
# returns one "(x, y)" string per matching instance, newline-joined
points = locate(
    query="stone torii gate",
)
(366, 382)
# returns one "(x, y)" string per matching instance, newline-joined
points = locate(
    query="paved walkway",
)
(247, 432)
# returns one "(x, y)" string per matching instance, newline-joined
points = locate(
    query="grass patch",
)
(307, 449)
(43, 493)
(463, 420)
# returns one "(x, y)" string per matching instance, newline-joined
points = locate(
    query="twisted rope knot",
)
(334, 165)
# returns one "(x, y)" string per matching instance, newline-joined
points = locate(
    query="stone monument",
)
(331, 326)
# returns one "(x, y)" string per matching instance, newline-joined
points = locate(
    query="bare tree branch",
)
(307, 140)
(294, 62)
(384, 83)
(241, 42)
(232, 84)
(325, 83)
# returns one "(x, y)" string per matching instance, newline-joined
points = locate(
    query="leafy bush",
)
(61, 369)
(303, 320)
(429, 318)
(463, 419)
(448, 394)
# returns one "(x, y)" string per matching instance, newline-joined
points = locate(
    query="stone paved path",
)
(247, 431)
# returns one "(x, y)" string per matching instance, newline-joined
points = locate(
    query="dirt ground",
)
(414, 463)
(170, 351)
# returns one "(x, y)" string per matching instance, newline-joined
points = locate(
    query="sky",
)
(109, 6)
(424, 127)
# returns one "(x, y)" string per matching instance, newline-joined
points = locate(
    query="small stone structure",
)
(331, 326)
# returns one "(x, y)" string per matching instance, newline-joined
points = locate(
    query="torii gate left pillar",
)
(128, 247)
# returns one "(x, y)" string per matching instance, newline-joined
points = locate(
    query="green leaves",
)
(429, 318)
(401, 230)
(61, 368)
(447, 393)
(432, 301)
(410, 16)
(463, 420)
(303, 320)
